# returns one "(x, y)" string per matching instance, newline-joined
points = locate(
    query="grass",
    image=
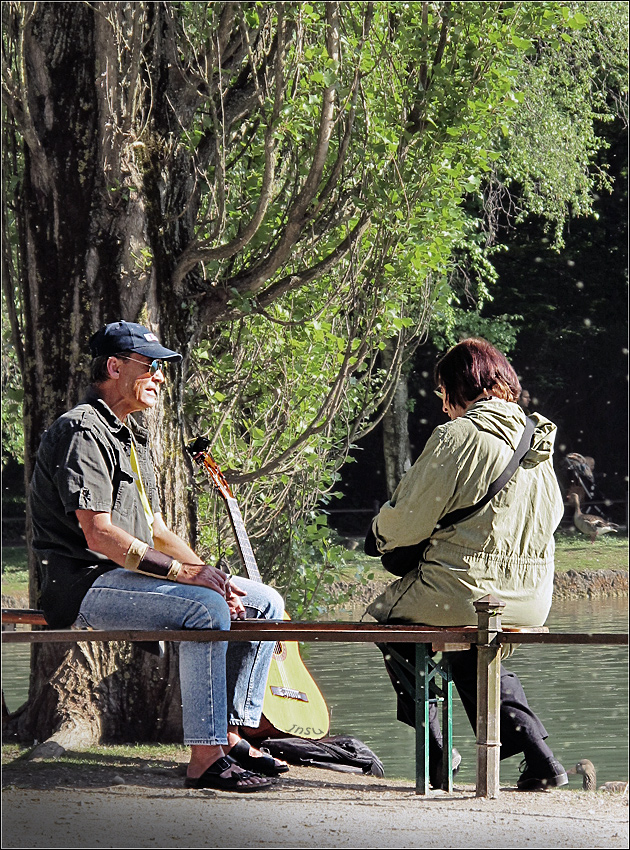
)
(87, 764)
(14, 571)
(120, 756)
(573, 552)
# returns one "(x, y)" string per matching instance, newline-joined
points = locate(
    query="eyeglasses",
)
(440, 394)
(152, 367)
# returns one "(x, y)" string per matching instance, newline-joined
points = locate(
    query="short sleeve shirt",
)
(84, 463)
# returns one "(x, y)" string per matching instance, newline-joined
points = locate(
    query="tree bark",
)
(97, 693)
(86, 237)
(396, 446)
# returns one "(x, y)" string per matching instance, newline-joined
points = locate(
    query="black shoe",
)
(214, 778)
(265, 765)
(435, 774)
(546, 774)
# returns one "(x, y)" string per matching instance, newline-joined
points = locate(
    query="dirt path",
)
(144, 805)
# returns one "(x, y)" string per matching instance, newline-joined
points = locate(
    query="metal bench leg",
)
(423, 695)
(427, 692)
(419, 680)
(447, 725)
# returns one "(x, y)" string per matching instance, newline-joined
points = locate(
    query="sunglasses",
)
(439, 394)
(152, 367)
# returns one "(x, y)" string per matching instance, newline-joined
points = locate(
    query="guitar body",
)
(293, 703)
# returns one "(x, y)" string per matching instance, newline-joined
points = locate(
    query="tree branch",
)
(196, 252)
(251, 281)
(296, 281)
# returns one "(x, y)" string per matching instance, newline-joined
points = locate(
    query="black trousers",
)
(521, 730)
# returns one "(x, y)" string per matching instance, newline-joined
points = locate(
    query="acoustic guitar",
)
(293, 703)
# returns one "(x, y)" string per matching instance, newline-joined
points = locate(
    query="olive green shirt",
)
(505, 549)
(84, 463)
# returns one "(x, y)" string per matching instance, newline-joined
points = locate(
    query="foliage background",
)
(467, 153)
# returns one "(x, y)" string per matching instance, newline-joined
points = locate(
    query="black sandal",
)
(212, 778)
(265, 765)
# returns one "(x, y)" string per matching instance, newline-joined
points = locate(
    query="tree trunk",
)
(396, 447)
(97, 692)
(86, 238)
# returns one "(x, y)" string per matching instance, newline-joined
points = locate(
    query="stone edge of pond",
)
(590, 584)
(572, 584)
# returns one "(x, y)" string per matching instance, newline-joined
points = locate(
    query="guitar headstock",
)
(201, 455)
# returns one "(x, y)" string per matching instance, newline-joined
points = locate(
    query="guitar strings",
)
(245, 547)
(218, 519)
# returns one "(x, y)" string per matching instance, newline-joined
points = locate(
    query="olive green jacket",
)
(505, 549)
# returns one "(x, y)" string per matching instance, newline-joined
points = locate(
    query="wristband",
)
(143, 559)
(174, 570)
(135, 554)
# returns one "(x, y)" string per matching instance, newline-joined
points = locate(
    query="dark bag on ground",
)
(340, 752)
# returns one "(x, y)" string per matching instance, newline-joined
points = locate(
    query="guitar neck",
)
(242, 540)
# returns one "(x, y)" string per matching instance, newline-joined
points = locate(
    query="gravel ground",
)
(50, 805)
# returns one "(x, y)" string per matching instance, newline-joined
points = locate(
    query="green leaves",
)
(433, 115)
(524, 44)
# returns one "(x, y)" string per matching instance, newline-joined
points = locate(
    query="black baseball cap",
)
(128, 336)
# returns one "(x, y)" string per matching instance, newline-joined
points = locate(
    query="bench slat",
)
(443, 638)
(297, 632)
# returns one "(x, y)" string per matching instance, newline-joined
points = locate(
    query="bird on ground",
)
(586, 769)
(580, 468)
(593, 526)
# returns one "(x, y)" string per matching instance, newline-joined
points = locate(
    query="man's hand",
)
(206, 576)
(233, 599)
(215, 579)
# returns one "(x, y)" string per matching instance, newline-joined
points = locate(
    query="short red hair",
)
(472, 366)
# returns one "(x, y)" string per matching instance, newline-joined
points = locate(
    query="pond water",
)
(579, 692)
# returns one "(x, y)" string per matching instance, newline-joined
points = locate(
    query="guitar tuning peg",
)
(197, 446)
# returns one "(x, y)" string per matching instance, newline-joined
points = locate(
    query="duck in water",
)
(586, 769)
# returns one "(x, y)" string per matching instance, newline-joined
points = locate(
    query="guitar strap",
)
(144, 499)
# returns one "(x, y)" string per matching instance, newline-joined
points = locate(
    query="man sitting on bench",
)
(107, 560)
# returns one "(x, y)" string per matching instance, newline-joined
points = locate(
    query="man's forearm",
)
(163, 560)
(171, 544)
(166, 541)
(104, 537)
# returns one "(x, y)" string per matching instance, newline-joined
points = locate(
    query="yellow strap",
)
(143, 494)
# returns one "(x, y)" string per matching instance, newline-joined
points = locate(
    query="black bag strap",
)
(498, 484)
(405, 558)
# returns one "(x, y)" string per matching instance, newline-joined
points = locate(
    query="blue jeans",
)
(222, 684)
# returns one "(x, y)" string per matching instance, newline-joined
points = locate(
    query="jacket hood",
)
(506, 420)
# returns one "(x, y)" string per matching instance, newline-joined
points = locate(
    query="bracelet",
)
(135, 554)
(174, 570)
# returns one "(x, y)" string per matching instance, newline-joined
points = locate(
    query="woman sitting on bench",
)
(505, 547)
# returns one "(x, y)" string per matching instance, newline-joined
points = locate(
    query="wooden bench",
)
(488, 636)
